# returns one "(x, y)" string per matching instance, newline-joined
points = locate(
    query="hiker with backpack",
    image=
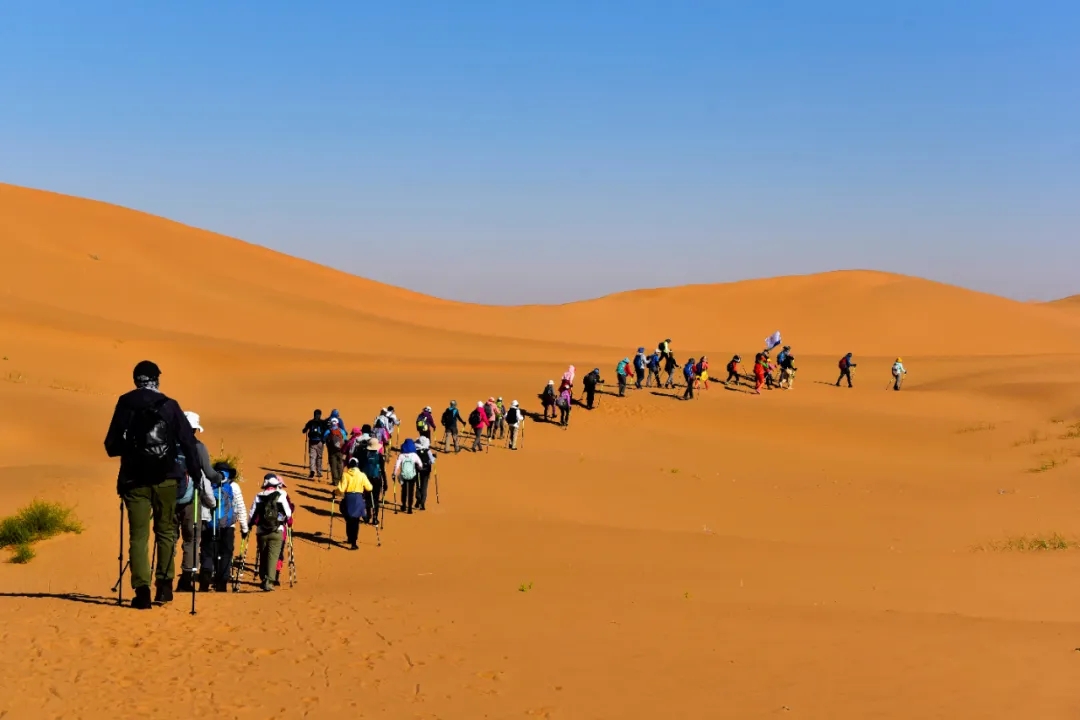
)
(515, 419)
(271, 514)
(590, 382)
(500, 419)
(316, 430)
(190, 527)
(373, 468)
(845, 370)
(640, 363)
(335, 450)
(491, 411)
(565, 402)
(898, 373)
(352, 487)
(653, 367)
(450, 420)
(425, 421)
(622, 371)
(356, 438)
(478, 421)
(664, 348)
(407, 469)
(427, 457)
(219, 530)
(393, 421)
(547, 399)
(787, 369)
(701, 373)
(335, 415)
(733, 371)
(149, 432)
(670, 366)
(691, 378)
(759, 372)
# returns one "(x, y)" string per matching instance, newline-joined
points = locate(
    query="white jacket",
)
(417, 462)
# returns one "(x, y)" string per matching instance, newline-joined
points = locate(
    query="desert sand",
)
(819, 553)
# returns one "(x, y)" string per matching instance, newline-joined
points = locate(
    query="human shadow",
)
(312, 496)
(738, 389)
(321, 512)
(287, 473)
(69, 597)
(315, 538)
(669, 396)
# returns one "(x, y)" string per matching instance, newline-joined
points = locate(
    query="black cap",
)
(318, 413)
(146, 369)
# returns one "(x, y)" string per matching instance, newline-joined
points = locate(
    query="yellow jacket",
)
(354, 481)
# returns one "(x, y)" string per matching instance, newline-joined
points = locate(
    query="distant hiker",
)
(670, 366)
(427, 456)
(845, 370)
(372, 467)
(356, 437)
(478, 421)
(784, 352)
(547, 399)
(407, 469)
(491, 411)
(568, 379)
(383, 422)
(425, 421)
(148, 432)
(316, 430)
(271, 513)
(898, 373)
(219, 530)
(770, 380)
(640, 363)
(335, 415)
(759, 372)
(185, 508)
(394, 422)
(622, 370)
(565, 402)
(500, 419)
(733, 370)
(653, 366)
(701, 370)
(690, 377)
(450, 420)
(664, 348)
(787, 370)
(590, 382)
(335, 449)
(351, 487)
(515, 418)
(382, 434)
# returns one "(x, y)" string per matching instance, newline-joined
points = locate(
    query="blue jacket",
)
(639, 361)
(688, 370)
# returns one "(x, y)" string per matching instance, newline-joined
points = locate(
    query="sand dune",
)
(819, 553)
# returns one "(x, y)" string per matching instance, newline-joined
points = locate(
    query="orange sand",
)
(808, 554)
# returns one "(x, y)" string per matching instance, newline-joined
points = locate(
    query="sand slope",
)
(818, 553)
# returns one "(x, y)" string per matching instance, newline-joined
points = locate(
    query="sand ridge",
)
(818, 553)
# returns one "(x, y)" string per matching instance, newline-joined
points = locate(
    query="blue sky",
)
(540, 152)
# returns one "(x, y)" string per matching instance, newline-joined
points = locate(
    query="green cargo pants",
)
(269, 552)
(143, 503)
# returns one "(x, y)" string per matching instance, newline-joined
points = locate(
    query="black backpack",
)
(474, 418)
(266, 515)
(151, 440)
(448, 418)
(512, 415)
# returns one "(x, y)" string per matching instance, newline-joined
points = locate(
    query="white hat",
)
(424, 443)
(551, 382)
(514, 404)
(194, 421)
(272, 481)
(427, 409)
(480, 404)
(334, 422)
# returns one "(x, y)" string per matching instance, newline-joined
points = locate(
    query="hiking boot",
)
(354, 546)
(311, 475)
(408, 511)
(267, 586)
(221, 586)
(204, 581)
(141, 601)
(185, 584)
(164, 592)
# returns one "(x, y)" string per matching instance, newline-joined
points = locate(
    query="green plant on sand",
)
(37, 521)
(1034, 543)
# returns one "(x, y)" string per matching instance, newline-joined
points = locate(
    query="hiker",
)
(568, 380)
(653, 367)
(664, 348)
(351, 487)
(547, 399)
(219, 529)
(270, 514)
(845, 370)
(564, 402)
(335, 449)
(515, 419)
(670, 366)
(733, 370)
(787, 369)
(148, 432)
(427, 456)
(382, 434)
(335, 415)
(425, 421)
(185, 509)
(450, 419)
(759, 373)
(770, 380)
(393, 421)
(784, 352)
(500, 418)
(408, 469)
(354, 443)
(690, 377)
(478, 421)
(491, 411)
(701, 371)
(621, 371)
(639, 367)
(375, 472)
(590, 382)
(898, 373)
(316, 430)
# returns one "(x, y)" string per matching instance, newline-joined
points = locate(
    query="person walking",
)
(547, 399)
(427, 456)
(845, 370)
(622, 370)
(219, 530)
(515, 418)
(491, 411)
(787, 370)
(187, 515)
(148, 432)
(733, 371)
(478, 421)
(701, 372)
(373, 469)
(759, 372)
(450, 420)
(271, 513)
(335, 415)
(500, 418)
(670, 366)
(689, 376)
(352, 487)
(898, 373)
(565, 402)
(335, 449)
(590, 383)
(640, 362)
(654, 370)
(425, 421)
(407, 469)
(316, 430)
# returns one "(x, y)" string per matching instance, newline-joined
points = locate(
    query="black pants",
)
(408, 494)
(478, 441)
(732, 376)
(426, 433)
(421, 490)
(550, 407)
(622, 386)
(372, 499)
(216, 552)
(564, 415)
(689, 394)
(640, 377)
(845, 373)
(352, 529)
(590, 396)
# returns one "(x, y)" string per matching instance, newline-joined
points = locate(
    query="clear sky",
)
(512, 151)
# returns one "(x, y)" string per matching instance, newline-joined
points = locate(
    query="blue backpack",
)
(224, 513)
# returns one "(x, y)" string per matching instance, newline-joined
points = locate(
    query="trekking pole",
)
(330, 541)
(196, 527)
(292, 557)
(118, 588)
(436, 471)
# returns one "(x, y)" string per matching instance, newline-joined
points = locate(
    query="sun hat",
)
(424, 443)
(514, 404)
(194, 421)
(270, 480)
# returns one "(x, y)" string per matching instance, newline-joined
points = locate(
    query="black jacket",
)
(591, 381)
(133, 473)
